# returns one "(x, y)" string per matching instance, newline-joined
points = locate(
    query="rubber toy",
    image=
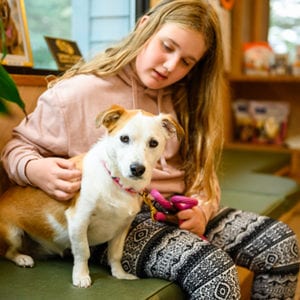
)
(165, 210)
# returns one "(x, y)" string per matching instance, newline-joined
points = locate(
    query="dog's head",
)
(9, 27)
(4, 13)
(136, 140)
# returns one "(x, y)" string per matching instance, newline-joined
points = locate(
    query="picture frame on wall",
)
(14, 23)
(65, 52)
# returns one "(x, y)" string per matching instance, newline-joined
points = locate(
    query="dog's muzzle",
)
(137, 170)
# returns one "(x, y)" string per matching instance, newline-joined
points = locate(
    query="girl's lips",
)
(159, 75)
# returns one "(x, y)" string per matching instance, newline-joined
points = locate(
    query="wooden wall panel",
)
(30, 88)
(153, 2)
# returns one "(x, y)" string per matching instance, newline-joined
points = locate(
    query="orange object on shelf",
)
(227, 4)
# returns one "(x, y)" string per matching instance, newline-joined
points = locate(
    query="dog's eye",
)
(124, 139)
(153, 143)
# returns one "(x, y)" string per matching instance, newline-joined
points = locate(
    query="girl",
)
(172, 63)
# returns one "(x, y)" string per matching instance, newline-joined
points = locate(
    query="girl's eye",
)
(124, 139)
(153, 143)
(185, 62)
(166, 47)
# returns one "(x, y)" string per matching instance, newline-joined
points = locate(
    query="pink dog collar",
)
(117, 181)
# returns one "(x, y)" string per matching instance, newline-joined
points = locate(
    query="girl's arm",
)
(29, 158)
(58, 177)
(196, 218)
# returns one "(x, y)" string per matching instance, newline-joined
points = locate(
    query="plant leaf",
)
(3, 108)
(8, 88)
(9, 91)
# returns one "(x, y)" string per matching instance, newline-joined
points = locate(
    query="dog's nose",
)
(137, 169)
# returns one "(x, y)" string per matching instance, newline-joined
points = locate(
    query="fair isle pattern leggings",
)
(206, 270)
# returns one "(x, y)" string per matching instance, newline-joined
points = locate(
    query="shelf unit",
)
(269, 88)
(250, 23)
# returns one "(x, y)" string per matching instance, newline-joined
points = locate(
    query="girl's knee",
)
(201, 269)
(278, 248)
(214, 277)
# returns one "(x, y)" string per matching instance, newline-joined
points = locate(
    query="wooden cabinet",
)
(270, 88)
(249, 24)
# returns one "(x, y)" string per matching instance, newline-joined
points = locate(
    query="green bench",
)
(51, 279)
(247, 182)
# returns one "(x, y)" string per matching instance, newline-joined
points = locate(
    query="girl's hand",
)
(58, 177)
(192, 219)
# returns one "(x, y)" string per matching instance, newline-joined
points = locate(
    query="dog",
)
(13, 42)
(114, 173)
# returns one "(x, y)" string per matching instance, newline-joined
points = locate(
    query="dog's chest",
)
(110, 218)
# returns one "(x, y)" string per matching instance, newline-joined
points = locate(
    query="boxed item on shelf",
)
(293, 142)
(258, 58)
(296, 64)
(262, 122)
(244, 128)
(281, 64)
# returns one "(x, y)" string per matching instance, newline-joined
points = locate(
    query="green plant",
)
(8, 89)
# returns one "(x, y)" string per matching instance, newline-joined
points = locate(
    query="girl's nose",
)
(171, 63)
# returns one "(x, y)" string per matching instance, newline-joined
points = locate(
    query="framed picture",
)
(65, 52)
(13, 16)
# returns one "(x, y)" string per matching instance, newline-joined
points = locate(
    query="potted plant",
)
(8, 88)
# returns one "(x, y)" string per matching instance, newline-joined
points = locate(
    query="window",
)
(93, 24)
(50, 18)
(284, 30)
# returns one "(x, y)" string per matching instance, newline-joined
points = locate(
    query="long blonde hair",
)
(197, 97)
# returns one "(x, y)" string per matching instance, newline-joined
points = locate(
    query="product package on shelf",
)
(258, 58)
(296, 64)
(261, 122)
(281, 64)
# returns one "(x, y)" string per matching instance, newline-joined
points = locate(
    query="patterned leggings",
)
(206, 269)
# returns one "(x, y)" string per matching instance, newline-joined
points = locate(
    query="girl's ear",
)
(143, 20)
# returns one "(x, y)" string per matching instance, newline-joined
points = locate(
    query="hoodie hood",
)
(160, 97)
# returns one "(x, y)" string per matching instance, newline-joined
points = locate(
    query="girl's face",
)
(169, 55)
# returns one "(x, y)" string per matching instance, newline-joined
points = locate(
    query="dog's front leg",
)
(115, 252)
(78, 225)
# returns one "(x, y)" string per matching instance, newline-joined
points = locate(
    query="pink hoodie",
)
(63, 124)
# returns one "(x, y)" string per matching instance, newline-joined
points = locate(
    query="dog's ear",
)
(172, 127)
(109, 117)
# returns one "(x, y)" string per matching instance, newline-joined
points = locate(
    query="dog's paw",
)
(124, 275)
(23, 260)
(80, 274)
(118, 272)
(82, 281)
(128, 276)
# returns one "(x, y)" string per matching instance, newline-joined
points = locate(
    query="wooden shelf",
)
(258, 147)
(264, 79)
(250, 19)
(29, 80)
(269, 88)
(293, 170)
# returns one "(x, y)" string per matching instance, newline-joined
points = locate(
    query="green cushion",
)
(258, 183)
(247, 182)
(52, 280)
(253, 161)
(263, 204)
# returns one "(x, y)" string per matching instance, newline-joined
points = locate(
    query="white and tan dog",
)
(116, 169)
